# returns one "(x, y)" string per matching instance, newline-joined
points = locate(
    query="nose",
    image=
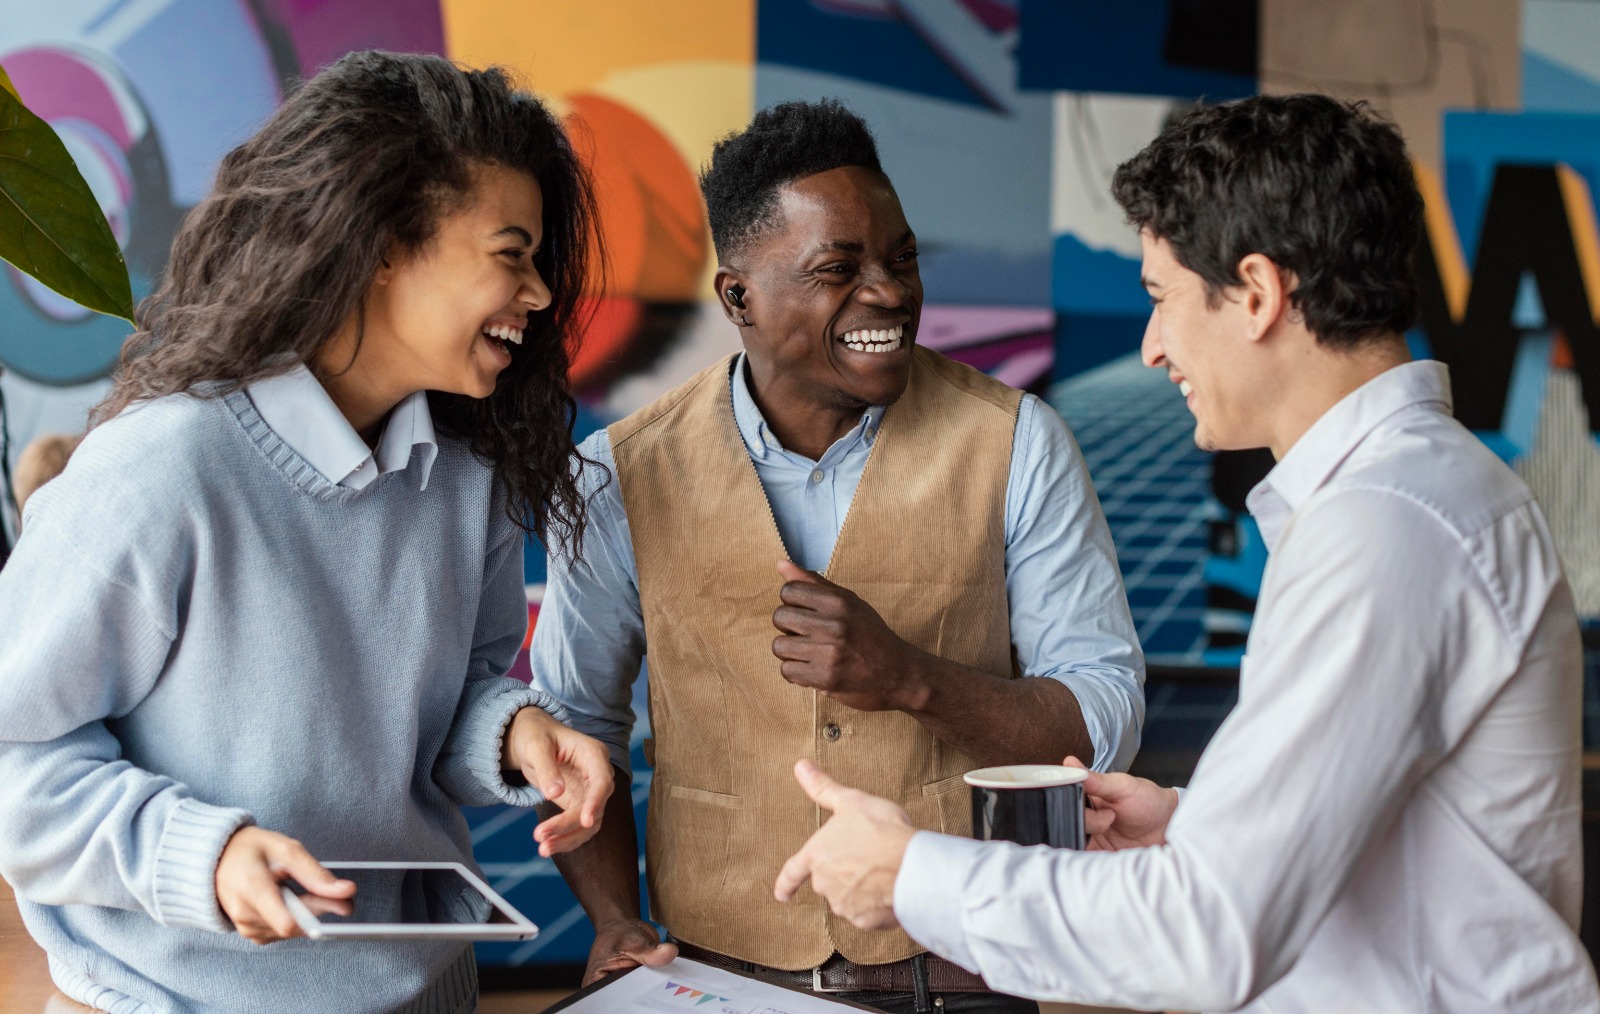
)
(1150, 350)
(533, 292)
(885, 289)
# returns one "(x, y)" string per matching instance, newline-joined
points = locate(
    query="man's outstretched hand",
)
(853, 859)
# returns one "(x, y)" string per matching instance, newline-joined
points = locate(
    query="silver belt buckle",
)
(818, 987)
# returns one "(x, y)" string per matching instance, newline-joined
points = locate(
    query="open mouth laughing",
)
(502, 336)
(867, 340)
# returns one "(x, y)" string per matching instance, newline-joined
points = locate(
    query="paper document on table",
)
(688, 985)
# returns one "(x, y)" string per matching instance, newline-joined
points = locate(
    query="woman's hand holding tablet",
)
(406, 901)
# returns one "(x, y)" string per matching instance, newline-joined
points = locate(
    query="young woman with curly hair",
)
(266, 612)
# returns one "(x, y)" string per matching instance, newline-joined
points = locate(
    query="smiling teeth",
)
(1185, 387)
(873, 341)
(505, 332)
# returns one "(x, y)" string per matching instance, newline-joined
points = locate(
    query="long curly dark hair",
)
(374, 151)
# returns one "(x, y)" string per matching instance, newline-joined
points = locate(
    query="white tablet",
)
(409, 901)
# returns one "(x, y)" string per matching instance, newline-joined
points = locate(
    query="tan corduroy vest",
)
(923, 543)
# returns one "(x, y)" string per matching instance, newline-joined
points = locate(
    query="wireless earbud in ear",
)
(735, 294)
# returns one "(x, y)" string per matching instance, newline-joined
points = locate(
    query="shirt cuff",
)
(191, 844)
(1109, 717)
(929, 890)
(614, 737)
(473, 772)
(621, 755)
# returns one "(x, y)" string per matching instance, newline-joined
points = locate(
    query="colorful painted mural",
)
(1000, 122)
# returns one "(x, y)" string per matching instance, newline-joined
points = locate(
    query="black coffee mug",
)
(1030, 804)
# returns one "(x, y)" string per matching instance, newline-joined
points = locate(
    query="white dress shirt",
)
(298, 409)
(1389, 819)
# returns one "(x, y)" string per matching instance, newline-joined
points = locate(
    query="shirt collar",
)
(298, 409)
(1313, 459)
(759, 439)
(410, 427)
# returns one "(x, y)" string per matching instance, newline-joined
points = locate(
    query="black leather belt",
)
(838, 975)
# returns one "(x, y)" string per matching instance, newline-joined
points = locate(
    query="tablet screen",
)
(408, 897)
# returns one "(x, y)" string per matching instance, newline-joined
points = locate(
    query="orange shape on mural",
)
(651, 218)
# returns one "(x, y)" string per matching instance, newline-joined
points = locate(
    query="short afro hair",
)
(1322, 188)
(785, 143)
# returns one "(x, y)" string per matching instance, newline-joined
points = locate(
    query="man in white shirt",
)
(1389, 820)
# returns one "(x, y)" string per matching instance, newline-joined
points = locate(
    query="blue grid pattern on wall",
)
(1137, 437)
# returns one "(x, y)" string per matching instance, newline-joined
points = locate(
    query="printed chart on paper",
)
(690, 986)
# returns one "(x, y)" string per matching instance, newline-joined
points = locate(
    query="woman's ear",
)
(386, 264)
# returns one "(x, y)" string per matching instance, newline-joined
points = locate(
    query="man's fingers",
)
(655, 957)
(616, 963)
(801, 674)
(797, 574)
(793, 876)
(808, 597)
(822, 789)
(792, 648)
(1098, 821)
(1110, 787)
(794, 619)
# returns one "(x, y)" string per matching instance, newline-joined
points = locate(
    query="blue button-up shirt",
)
(1069, 613)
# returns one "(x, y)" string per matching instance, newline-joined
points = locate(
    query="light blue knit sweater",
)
(198, 631)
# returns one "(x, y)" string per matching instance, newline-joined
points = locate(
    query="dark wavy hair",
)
(787, 142)
(377, 149)
(1322, 188)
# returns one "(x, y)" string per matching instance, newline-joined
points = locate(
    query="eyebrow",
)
(855, 247)
(517, 231)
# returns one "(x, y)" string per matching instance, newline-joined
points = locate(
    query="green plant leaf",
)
(51, 226)
(5, 82)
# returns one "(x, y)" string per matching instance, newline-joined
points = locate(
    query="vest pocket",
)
(952, 801)
(696, 830)
(723, 799)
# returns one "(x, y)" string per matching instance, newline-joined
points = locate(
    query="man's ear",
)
(1265, 292)
(734, 295)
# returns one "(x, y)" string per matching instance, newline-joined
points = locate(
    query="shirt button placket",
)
(830, 732)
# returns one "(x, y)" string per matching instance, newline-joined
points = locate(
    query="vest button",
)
(830, 732)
